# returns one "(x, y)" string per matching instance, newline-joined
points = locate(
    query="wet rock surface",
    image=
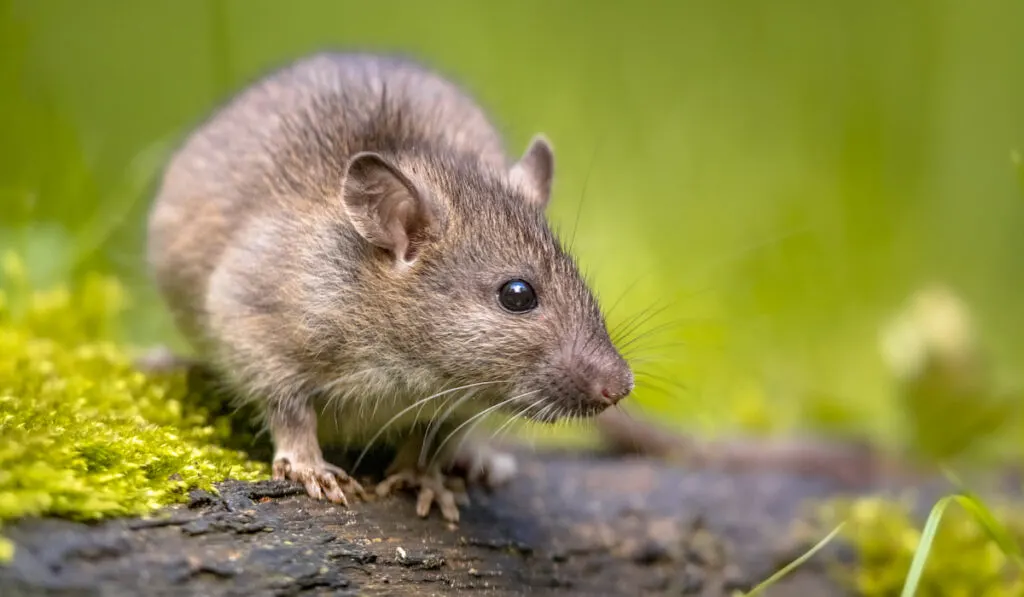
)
(569, 525)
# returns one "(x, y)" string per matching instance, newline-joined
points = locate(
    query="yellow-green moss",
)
(963, 561)
(83, 435)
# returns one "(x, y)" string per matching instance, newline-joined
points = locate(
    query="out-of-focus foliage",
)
(777, 178)
(949, 401)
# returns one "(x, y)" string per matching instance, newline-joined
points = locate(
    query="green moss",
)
(964, 559)
(84, 435)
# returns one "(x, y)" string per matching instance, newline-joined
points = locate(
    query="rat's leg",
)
(460, 457)
(408, 472)
(298, 457)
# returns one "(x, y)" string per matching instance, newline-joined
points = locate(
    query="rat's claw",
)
(320, 480)
(348, 483)
(329, 485)
(393, 482)
(282, 469)
(423, 501)
(432, 489)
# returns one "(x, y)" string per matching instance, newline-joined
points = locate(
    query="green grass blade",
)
(995, 531)
(924, 547)
(774, 578)
(983, 515)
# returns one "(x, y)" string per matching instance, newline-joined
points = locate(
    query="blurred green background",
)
(768, 180)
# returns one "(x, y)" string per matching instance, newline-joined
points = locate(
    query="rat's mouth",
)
(548, 400)
(552, 410)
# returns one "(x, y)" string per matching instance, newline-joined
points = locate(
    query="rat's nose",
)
(601, 377)
(611, 390)
(608, 384)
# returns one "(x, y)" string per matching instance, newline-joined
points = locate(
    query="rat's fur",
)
(263, 247)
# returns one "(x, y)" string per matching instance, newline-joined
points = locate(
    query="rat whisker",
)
(661, 378)
(478, 418)
(740, 253)
(516, 417)
(622, 295)
(644, 379)
(637, 362)
(419, 411)
(625, 335)
(435, 425)
(646, 349)
(661, 328)
(418, 403)
(616, 331)
(561, 422)
(638, 405)
(643, 355)
(439, 408)
(654, 387)
(674, 325)
(538, 416)
(546, 412)
(637, 321)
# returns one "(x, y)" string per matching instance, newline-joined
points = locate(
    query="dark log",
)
(571, 524)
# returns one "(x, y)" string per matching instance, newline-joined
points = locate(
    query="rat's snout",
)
(614, 389)
(612, 385)
(604, 379)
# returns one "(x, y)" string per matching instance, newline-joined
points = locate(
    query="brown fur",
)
(258, 244)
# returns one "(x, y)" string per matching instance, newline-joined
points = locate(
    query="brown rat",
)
(347, 244)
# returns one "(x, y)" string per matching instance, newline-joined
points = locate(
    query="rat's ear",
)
(387, 208)
(535, 171)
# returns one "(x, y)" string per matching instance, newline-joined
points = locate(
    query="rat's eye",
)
(517, 296)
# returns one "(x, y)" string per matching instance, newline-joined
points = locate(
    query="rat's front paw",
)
(432, 488)
(321, 479)
(481, 464)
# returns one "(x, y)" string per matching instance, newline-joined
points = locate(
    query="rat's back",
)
(282, 144)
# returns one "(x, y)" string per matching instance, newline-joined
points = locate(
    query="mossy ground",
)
(84, 435)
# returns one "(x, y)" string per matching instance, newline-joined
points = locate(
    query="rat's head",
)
(476, 285)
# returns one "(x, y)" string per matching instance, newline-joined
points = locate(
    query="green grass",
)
(790, 567)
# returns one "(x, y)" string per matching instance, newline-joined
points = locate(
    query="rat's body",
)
(346, 237)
